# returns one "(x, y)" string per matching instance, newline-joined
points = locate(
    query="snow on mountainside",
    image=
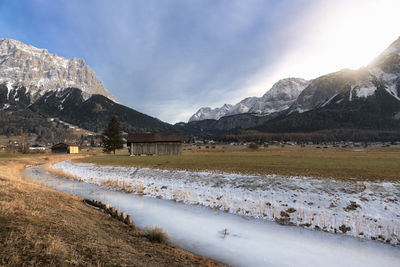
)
(350, 85)
(39, 71)
(280, 97)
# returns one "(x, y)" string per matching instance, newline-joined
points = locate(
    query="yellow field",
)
(372, 163)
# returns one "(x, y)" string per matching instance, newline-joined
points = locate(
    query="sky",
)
(168, 58)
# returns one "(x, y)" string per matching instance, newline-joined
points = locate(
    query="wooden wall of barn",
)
(144, 149)
(169, 149)
(157, 149)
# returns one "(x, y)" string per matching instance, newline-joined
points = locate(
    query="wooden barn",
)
(155, 144)
(65, 148)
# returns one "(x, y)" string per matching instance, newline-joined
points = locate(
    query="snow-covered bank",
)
(361, 209)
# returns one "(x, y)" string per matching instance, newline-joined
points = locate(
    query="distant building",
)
(155, 144)
(65, 148)
(37, 147)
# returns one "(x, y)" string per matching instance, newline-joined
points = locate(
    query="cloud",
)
(178, 55)
(169, 58)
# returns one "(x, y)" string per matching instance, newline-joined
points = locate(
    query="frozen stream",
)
(249, 242)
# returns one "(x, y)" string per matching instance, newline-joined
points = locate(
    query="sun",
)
(342, 34)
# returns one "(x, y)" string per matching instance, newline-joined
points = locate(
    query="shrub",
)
(254, 146)
(156, 234)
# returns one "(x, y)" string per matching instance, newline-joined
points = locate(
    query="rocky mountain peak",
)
(206, 113)
(40, 71)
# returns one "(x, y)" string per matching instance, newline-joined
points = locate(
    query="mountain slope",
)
(380, 111)
(70, 106)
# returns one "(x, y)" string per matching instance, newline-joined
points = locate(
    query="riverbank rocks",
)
(353, 206)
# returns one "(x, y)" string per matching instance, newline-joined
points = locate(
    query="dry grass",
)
(157, 234)
(41, 226)
(350, 163)
(59, 172)
(119, 185)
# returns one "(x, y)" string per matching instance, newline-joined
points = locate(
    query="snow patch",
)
(329, 100)
(351, 93)
(6, 106)
(392, 89)
(365, 91)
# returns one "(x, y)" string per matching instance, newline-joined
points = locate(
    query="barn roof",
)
(154, 137)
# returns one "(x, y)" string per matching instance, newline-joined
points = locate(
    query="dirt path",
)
(41, 226)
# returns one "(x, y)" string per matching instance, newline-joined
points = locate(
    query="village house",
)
(65, 148)
(155, 144)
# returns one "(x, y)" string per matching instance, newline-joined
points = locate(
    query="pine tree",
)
(112, 136)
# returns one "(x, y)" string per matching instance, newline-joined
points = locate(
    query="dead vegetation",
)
(157, 234)
(59, 172)
(41, 226)
(123, 186)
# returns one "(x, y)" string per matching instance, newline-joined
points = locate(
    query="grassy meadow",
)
(372, 163)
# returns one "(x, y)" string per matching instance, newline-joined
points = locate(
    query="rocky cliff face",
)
(39, 71)
(279, 98)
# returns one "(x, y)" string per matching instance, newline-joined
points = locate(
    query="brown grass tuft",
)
(119, 185)
(157, 234)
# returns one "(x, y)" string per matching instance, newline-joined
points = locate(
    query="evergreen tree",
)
(112, 136)
(92, 144)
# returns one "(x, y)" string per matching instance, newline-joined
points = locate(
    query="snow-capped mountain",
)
(280, 97)
(39, 71)
(347, 101)
(209, 113)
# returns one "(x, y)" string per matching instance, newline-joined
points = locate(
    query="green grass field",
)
(342, 164)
